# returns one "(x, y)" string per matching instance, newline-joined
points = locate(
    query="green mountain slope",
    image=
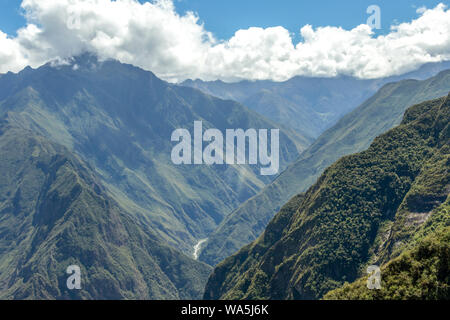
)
(54, 212)
(119, 119)
(353, 133)
(420, 273)
(385, 192)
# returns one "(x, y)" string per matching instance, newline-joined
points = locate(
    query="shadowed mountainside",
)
(54, 212)
(119, 119)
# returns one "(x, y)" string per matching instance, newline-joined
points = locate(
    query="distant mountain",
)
(54, 212)
(119, 119)
(309, 105)
(353, 133)
(367, 208)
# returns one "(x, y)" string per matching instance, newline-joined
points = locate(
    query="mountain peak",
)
(86, 60)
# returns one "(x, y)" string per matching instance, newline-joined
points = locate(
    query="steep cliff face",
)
(365, 208)
(54, 212)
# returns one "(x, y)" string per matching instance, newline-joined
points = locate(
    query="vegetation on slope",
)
(420, 273)
(54, 212)
(119, 119)
(331, 236)
(353, 133)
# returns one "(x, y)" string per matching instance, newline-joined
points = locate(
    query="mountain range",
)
(120, 118)
(308, 105)
(387, 205)
(352, 133)
(88, 180)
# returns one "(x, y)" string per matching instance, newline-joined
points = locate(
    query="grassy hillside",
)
(386, 192)
(54, 212)
(353, 133)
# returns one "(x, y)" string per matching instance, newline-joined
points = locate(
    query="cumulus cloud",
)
(176, 47)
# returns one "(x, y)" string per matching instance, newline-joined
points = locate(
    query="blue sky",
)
(175, 46)
(224, 17)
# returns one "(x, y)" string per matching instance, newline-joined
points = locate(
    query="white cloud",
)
(11, 57)
(175, 47)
